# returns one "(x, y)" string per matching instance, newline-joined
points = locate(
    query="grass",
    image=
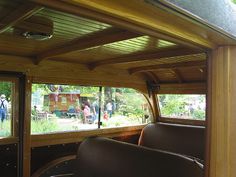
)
(5, 130)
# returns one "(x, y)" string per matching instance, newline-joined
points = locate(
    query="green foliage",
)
(199, 114)
(234, 1)
(5, 130)
(179, 106)
(44, 126)
(119, 120)
(172, 105)
(5, 88)
(132, 105)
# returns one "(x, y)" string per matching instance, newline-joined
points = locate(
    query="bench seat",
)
(102, 157)
(181, 139)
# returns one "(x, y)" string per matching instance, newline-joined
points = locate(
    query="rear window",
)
(182, 106)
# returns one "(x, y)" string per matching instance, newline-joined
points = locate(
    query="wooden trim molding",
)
(9, 140)
(183, 121)
(72, 137)
(183, 88)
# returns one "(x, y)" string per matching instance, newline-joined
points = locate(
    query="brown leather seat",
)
(182, 139)
(102, 157)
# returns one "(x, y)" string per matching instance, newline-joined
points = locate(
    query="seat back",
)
(101, 157)
(181, 139)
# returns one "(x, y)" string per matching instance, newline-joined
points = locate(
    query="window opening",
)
(123, 107)
(184, 106)
(62, 108)
(6, 108)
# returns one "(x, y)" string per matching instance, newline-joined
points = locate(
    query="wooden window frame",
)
(38, 140)
(14, 138)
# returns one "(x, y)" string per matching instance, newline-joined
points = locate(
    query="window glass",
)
(123, 107)
(57, 108)
(6, 92)
(183, 106)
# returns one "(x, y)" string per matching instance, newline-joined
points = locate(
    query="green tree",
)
(5, 88)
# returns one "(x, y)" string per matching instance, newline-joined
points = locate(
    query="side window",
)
(123, 107)
(7, 99)
(182, 106)
(60, 108)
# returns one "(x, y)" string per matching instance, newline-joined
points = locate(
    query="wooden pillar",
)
(223, 112)
(26, 130)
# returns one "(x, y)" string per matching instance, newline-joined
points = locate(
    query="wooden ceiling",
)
(96, 45)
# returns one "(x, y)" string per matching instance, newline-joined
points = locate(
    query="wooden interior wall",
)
(61, 72)
(223, 120)
(8, 162)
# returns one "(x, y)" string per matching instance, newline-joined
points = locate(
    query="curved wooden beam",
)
(189, 64)
(178, 75)
(153, 76)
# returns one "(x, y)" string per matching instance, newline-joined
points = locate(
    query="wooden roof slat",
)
(164, 53)
(106, 36)
(21, 13)
(192, 64)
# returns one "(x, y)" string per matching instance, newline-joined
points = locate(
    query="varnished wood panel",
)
(116, 11)
(223, 122)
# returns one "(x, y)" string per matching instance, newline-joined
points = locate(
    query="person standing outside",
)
(3, 108)
(109, 109)
(95, 109)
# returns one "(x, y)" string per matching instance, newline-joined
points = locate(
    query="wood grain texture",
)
(107, 36)
(146, 56)
(60, 138)
(27, 129)
(223, 123)
(154, 21)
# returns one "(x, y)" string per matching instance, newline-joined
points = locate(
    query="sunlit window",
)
(183, 106)
(61, 108)
(123, 107)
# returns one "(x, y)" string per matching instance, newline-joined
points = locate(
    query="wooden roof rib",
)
(100, 44)
(96, 39)
(172, 66)
(146, 56)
